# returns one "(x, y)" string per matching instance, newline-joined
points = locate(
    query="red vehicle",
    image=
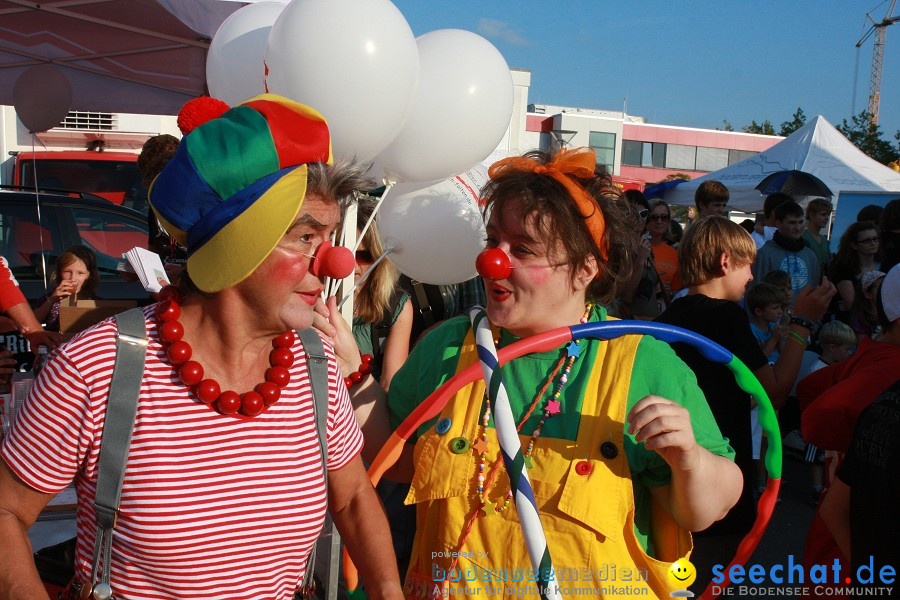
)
(626, 183)
(111, 175)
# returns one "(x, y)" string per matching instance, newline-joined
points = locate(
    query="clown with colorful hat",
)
(224, 487)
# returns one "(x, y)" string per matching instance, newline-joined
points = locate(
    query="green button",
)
(459, 445)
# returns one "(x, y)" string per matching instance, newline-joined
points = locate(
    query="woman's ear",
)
(586, 272)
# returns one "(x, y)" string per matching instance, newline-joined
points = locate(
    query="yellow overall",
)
(587, 510)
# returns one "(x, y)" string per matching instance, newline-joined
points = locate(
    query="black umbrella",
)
(793, 183)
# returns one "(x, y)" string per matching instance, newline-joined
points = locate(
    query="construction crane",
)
(878, 27)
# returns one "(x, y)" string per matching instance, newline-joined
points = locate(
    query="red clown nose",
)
(493, 263)
(336, 262)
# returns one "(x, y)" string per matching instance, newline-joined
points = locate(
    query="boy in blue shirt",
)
(765, 303)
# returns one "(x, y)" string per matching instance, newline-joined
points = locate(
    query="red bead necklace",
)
(208, 391)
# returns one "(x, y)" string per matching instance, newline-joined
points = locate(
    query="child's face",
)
(837, 352)
(76, 272)
(819, 219)
(788, 294)
(872, 291)
(735, 282)
(772, 313)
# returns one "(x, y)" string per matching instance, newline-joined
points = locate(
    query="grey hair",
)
(340, 180)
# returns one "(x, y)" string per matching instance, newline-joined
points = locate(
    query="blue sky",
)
(686, 63)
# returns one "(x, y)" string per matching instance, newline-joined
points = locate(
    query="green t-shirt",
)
(657, 370)
(820, 247)
(363, 334)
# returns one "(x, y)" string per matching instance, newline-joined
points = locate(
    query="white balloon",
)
(235, 63)
(354, 61)
(461, 110)
(436, 230)
(42, 96)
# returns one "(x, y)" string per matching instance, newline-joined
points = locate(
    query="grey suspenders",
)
(115, 442)
(326, 553)
(131, 352)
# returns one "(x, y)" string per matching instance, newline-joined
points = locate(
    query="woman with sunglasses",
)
(643, 296)
(382, 314)
(622, 451)
(665, 257)
(857, 253)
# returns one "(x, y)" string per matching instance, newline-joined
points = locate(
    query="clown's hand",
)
(665, 427)
(704, 485)
(332, 326)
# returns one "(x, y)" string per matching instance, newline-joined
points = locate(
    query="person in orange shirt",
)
(664, 255)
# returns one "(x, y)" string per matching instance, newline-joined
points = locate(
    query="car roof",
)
(83, 199)
(78, 154)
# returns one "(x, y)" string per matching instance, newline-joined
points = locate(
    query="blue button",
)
(443, 426)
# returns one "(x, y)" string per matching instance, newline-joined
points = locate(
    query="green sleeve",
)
(658, 370)
(401, 302)
(432, 362)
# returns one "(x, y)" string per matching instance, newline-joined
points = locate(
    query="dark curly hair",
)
(155, 153)
(558, 218)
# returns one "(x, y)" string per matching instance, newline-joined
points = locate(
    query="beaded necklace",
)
(550, 409)
(207, 390)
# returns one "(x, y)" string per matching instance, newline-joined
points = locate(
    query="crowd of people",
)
(629, 444)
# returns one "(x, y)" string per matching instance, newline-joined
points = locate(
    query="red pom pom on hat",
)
(198, 111)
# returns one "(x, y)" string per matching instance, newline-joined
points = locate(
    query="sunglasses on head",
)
(363, 256)
(660, 218)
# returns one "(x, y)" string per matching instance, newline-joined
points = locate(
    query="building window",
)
(643, 154)
(680, 157)
(653, 155)
(736, 156)
(631, 153)
(711, 159)
(604, 144)
(677, 156)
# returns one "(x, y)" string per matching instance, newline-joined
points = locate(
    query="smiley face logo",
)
(682, 573)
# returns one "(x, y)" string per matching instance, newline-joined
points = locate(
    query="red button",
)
(584, 467)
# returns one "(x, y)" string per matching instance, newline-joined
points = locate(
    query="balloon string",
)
(331, 285)
(37, 202)
(362, 234)
(363, 276)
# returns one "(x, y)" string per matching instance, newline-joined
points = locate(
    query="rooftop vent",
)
(89, 121)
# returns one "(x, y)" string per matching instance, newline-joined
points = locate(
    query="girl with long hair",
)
(76, 275)
(382, 314)
(857, 253)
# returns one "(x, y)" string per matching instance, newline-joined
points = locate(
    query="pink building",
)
(633, 150)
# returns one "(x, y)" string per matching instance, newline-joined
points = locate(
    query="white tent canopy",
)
(816, 148)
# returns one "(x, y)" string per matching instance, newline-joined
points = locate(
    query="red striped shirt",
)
(212, 506)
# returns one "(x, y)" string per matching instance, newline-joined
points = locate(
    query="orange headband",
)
(579, 162)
